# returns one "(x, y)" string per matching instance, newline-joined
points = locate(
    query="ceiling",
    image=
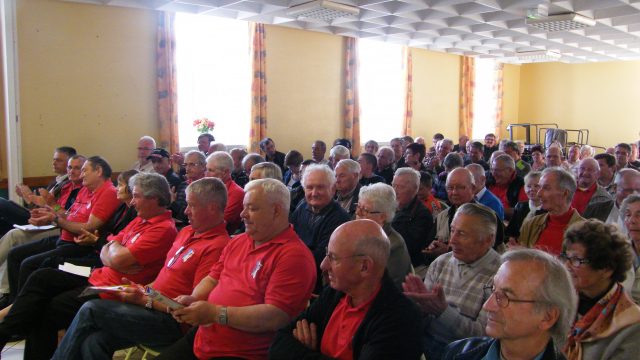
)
(484, 28)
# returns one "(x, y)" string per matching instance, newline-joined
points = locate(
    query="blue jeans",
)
(103, 326)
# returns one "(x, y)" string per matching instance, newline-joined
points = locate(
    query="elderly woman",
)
(537, 155)
(377, 202)
(630, 213)
(598, 256)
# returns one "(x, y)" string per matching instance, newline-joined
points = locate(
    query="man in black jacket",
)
(362, 314)
(530, 311)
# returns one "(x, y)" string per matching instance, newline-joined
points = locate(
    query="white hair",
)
(383, 198)
(275, 190)
(340, 150)
(221, 160)
(328, 173)
(352, 166)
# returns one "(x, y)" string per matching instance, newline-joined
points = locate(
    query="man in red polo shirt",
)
(362, 314)
(95, 204)
(263, 280)
(505, 184)
(49, 299)
(103, 326)
(588, 191)
(220, 165)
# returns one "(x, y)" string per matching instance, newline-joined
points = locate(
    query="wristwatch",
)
(149, 304)
(222, 316)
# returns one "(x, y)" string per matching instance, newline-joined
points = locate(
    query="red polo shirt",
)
(342, 326)
(551, 237)
(582, 197)
(66, 191)
(280, 272)
(190, 259)
(500, 191)
(101, 203)
(148, 241)
(235, 196)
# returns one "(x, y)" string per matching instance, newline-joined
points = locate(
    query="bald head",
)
(588, 173)
(367, 238)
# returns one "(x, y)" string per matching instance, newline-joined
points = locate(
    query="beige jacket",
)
(532, 228)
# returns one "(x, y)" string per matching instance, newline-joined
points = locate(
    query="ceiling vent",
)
(538, 56)
(322, 10)
(560, 22)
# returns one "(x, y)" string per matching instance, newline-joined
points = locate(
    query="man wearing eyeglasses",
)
(530, 309)
(505, 184)
(195, 164)
(452, 293)
(362, 315)
(146, 144)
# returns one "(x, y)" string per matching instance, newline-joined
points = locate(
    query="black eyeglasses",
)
(333, 259)
(501, 298)
(573, 260)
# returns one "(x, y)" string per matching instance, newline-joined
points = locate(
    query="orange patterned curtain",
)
(408, 102)
(499, 91)
(467, 85)
(166, 82)
(351, 104)
(258, 88)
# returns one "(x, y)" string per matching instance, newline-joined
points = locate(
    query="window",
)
(484, 98)
(381, 87)
(213, 63)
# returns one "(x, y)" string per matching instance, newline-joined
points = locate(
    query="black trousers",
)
(11, 213)
(47, 303)
(183, 349)
(23, 260)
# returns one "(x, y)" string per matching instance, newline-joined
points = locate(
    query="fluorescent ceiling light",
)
(322, 10)
(538, 56)
(561, 22)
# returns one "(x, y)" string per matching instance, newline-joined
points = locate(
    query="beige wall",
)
(87, 79)
(601, 97)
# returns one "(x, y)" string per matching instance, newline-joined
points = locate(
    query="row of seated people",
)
(318, 184)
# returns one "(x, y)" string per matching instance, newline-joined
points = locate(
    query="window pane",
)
(381, 86)
(484, 98)
(214, 77)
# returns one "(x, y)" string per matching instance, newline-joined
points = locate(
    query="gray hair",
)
(388, 150)
(202, 160)
(626, 173)
(152, 185)
(328, 173)
(255, 158)
(566, 181)
(221, 160)
(452, 160)
(150, 139)
(444, 141)
(631, 199)
(352, 166)
(476, 170)
(383, 198)
(218, 146)
(269, 170)
(556, 291)
(409, 172)
(339, 150)
(275, 190)
(505, 160)
(470, 178)
(209, 190)
(533, 175)
(485, 216)
(588, 148)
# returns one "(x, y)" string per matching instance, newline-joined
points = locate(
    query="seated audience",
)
(161, 160)
(443, 148)
(538, 158)
(50, 298)
(318, 150)
(588, 191)
(607, 163)
(361, 315)
(297, 193)
(530, 310)
(293, 163)
(204, 143)
(525, 209)
(461, 146)
(414, 155)
(263, 280)
(504, 182)
(573, 158)
(195, 164)
(249, 160)
(490, 145)
(481, 194)
(608, 323)
(219, 165)
(587, 151)
(434, 142)
(452, 293)
(451, 161)
(318, 215)
(386, 161)
(103, 326)
(425, 194)
(368, 165)
(268, 148)
(476, 155)
(627, 182)
(554, 157)
(622, 152)
(343, 142)
(630, 212)
(412, 220)
(95, 204)
(522, 167)
(146, 145)
(377, 202)
(371, 147)
(545, 231)
(347, 186)
(265, 170)
(337, 153)
(398, 152)
(238, 175)
(12, 213)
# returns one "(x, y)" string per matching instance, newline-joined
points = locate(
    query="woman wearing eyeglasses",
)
(607, 326)
(630, 212)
